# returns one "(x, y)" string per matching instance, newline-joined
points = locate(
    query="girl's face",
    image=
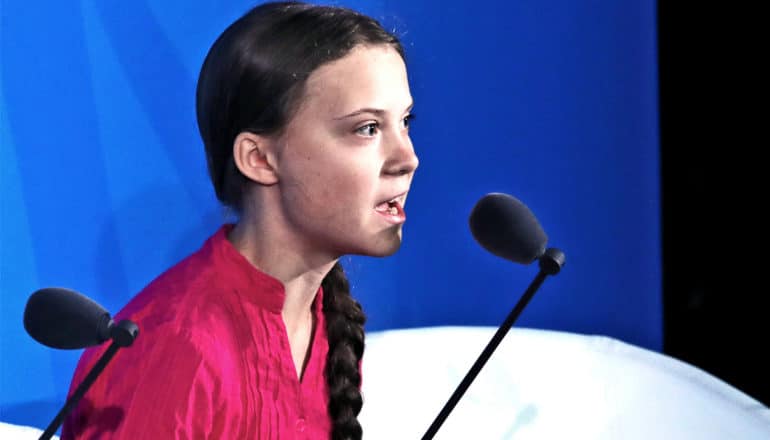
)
(345, 161)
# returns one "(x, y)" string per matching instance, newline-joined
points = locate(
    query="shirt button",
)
(300, 424)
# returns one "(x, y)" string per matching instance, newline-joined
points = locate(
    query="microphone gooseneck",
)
(507, 228)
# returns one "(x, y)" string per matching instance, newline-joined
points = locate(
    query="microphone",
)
(62, 318)
(504, 226)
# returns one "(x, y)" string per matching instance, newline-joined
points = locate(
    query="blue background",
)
(104, 182)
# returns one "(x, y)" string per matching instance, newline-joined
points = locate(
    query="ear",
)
(253, 155)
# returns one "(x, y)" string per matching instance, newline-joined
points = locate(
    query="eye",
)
(408, 120)
(369, 129)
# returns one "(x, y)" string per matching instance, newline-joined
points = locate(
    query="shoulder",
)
(194, 289)
(181, 315)
(185, 359)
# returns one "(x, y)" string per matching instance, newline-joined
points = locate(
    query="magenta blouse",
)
(212, 360)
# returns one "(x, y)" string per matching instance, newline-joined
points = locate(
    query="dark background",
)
(713, 262)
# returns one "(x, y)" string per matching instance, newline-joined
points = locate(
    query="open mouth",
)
(393, 209)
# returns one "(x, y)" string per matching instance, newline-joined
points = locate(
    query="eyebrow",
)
(375, 111)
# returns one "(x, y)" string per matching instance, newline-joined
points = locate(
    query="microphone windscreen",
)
(507, 228)
(62, 318)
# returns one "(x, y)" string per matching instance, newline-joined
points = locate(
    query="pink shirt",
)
(212, 360)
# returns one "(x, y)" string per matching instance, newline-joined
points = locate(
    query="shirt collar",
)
(257, 286)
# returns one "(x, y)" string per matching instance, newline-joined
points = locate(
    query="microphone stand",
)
(122, 335)
(550, 264)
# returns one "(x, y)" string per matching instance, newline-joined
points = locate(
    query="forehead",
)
(368, 76)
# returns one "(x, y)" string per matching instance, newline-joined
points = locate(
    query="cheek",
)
(323, 189)
(348, 188)
(332, 177)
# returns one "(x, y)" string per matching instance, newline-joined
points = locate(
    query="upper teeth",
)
(390, 207)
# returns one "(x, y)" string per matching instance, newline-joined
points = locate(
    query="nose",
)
(401, 157)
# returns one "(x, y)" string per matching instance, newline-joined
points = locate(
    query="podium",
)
(9, 431)
(544, 385)
(538, 385)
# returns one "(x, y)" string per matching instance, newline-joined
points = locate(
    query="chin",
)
(387, 252)
(384, 246)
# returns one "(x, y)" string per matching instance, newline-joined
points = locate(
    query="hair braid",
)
(345, 329)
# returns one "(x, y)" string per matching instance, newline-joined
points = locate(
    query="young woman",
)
(304, 112)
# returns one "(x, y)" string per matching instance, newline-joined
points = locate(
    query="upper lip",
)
(400, 198)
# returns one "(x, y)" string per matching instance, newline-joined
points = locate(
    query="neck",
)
(300, 272)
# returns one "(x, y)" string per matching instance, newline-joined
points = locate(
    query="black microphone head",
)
(507, 228)
(62, 318)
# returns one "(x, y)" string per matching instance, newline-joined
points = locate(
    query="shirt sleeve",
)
(155, 389)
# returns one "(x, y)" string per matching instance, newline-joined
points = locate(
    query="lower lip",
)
(398, 218)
